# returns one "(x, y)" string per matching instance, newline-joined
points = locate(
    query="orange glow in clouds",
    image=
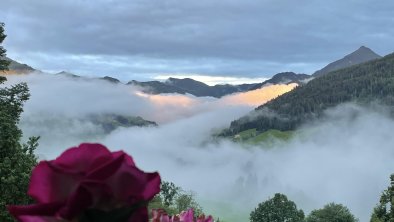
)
(259, 96)
(169, 99)
(170, 107)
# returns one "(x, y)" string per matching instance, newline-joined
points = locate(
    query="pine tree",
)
(3, 63)
(384, 211)
(16, 159)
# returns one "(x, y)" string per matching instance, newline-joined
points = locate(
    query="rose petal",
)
(202, 218)
(106, 170)
(140, 215)
(36, 209)
(175, 218)
(187, 216)
(47, 185)
(38, 219)
(164, 218)
(102, 195)
(84, 158)
(152, 185)
(132, 185)
(129, 160)
(80, 200)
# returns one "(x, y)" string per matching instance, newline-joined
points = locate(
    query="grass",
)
(252, 136)
(270, 136)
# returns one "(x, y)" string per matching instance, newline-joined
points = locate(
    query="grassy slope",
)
(252, 136)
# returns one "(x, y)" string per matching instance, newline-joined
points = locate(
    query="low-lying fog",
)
(346, 158)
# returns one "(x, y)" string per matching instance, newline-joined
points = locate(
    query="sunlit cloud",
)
(259, 96)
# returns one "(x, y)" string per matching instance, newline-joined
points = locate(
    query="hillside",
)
(110, 122)
(190, 86)
(284, 78)
(363, 54)
(362, 83)
(18, 68)
(156, 87)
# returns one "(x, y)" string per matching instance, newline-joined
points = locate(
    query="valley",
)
(196, 111)
(261, 151)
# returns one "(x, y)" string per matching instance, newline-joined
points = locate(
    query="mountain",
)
(110, 79)
(18, 68)
(68, 74)
(110, 122)
(363, 54)
(156, 87)
(190, 86)
(284, 78)
(363, 83)
(199, 89)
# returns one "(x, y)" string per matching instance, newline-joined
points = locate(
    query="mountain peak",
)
(361, 55)
(365, 51)
(110, 79)
(364, 48)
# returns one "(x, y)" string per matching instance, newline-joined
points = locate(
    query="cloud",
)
(343, 158)
(74, 97)
(259, 96)
(238, 38)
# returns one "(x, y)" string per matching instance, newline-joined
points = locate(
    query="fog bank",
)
(345, 158)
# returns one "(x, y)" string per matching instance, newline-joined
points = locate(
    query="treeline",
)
(280, 208)
(361, 83)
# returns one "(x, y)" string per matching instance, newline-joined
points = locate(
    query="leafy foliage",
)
(384, 211)
(3, 63)
(277, 209)
(361, 83)
(331, 212)
(16, 159)
(174, 200)
(168, 193)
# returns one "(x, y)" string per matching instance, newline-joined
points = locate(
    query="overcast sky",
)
(142, 39)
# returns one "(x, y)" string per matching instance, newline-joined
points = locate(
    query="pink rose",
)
(202, 218)
(187, 216)
(159, 215)
(87, 181)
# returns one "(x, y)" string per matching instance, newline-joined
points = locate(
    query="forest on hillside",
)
(364, 83)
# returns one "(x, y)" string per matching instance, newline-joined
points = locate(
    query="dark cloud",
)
(223, 37)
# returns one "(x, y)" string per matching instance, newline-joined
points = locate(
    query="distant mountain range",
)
(360, 76)
(189, 86)
(200, 89)
(196, 88)
(362, 83)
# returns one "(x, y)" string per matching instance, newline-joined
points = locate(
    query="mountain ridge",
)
(361, 55)
(200, 89)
